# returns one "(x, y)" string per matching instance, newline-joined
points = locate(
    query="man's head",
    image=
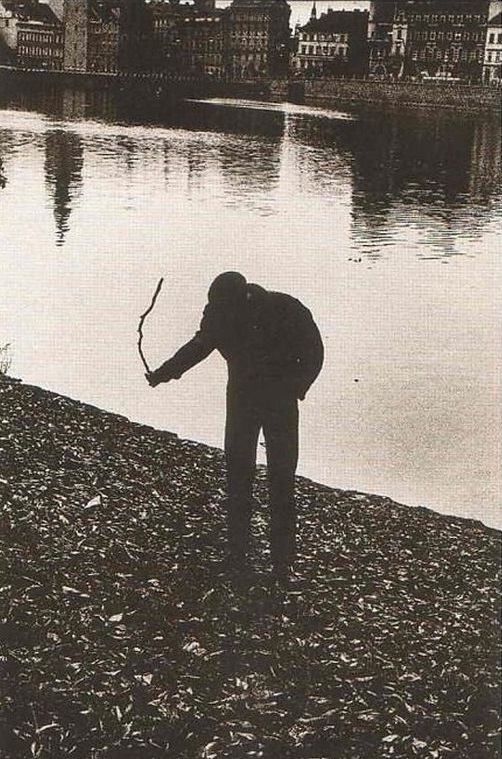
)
(228, 290)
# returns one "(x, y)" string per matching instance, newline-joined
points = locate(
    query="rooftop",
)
(335, 21)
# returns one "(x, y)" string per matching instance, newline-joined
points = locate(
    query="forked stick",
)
(142, 320)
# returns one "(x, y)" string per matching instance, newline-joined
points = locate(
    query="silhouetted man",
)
(274, 353)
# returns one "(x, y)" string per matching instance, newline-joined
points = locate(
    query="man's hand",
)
(151, 379)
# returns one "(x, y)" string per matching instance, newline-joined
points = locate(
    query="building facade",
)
(76, 30)
(189, 39)
(135, 35)
(33, 35)
(492, 65)
(437, 39)
(380, 29)
(166, 18)
(40, 41)
(107, 36)
(201, 44)
(334, 44)
(8, 28)
(258, 42)
(103, 38)
(445, 38)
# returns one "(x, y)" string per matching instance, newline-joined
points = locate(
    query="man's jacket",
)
(271, 344)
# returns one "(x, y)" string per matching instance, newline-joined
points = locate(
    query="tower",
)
(76, 22)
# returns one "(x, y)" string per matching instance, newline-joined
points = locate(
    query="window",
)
(489, 58)
(491, 39)
(499, 39)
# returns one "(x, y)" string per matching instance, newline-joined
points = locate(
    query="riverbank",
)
(124, 638)
(386, 94)
(328, 92)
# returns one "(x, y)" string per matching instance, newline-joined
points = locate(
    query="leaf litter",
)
(123, 637)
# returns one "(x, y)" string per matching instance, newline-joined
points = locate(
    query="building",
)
(380, 29)
(135, 35)
(40, 40)
(334, 44)
(258, 43)
(103, 38)
(76, 23)
(492, 64)
(107, 36)
(445, 38)
(32, 33)
(423, 39)
(189, 39)
(201, 44)
(165, 19)
(9, 19)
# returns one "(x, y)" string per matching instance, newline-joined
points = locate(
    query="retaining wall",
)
(423, 94)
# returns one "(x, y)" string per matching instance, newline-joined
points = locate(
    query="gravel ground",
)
(124, 638)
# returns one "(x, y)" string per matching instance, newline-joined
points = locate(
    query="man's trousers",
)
(277, 415)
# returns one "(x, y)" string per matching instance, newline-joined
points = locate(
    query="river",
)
(386, 226)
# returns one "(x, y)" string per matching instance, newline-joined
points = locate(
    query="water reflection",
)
(345, 213)
(436, 173)
(7, 149)
(250, 167)
(64, 158)
(485, 171)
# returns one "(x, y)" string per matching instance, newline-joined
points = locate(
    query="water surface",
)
(386, 226)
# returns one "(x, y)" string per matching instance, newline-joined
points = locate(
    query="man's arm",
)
(310, 352)
(196, 350)
(189, 355)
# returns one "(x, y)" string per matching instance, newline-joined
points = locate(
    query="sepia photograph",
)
(250, 363)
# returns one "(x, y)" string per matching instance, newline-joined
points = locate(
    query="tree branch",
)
(142, 320)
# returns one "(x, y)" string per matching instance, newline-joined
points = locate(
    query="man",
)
(274, 352)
